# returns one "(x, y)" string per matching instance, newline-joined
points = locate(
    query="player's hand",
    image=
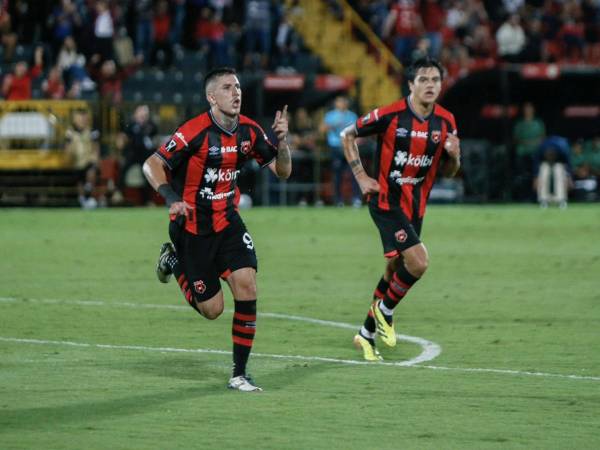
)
(368, 185)
(180, 209)
(452, 146)
(280, 124)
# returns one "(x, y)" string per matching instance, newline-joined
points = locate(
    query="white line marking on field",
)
(434, 350)
(431, 350)
(296, 357)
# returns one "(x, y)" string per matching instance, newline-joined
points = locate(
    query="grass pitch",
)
(95, 353)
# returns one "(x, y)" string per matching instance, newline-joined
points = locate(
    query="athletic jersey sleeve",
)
(263, 149)
(175, 150)
(374, 122)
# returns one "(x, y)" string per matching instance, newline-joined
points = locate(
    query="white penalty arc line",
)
(430, 350)
(434, 348)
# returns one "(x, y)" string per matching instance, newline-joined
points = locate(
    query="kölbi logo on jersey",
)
(404, 159)
(213, 175)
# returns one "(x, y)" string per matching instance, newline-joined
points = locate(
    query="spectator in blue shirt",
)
(333, 123)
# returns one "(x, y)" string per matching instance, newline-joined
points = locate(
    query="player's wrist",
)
(167, 192)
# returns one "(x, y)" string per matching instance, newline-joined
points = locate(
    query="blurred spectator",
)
(143, 16)
(210, 35)
(8, 39)
(585, 181)
(422, 49)
(303, 141)
(511, 39)
(72, 64)
(374, 12)
(81, 145)
(591, 149)
(17, 85)
(404, 26)
(136, 144)
(53, 86)
(512, 6)
(527, 135)
(63, 21)
(552, 171)
(572, 35)
(434, 18)
(333, 123)
(162, 49)
(178, 13)
(103, 31)
(534, 46)
(109, 79)
(123, 48)
(287, 42)
(257, 29)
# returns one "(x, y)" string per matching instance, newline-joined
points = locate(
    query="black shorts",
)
(205, 258)
(397, 232)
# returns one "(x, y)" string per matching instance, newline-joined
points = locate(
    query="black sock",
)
(242, 334)
(382, 286)
(369, 323)
(400, 283)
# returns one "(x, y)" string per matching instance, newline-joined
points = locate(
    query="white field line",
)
(265, 355)
(430, 350)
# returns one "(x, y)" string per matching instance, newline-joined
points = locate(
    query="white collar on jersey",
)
(223, 129)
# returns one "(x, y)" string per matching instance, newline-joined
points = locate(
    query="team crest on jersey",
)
(401, 236)
(245, 147)
(436, 136)
(199, 286)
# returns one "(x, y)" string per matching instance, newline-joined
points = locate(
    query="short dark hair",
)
(426, 61)
(215, 73)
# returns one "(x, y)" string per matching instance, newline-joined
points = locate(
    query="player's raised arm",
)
(367, 184)
(282, 167)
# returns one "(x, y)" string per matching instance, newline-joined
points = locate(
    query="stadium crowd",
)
(471, 34)
(92, 45)
(87, 48)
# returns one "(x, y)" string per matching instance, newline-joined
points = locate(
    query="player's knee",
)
(243, 285)
(246, 289)
(211, 312)
(417, 266)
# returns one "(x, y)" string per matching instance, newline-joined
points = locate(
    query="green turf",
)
(513, 288)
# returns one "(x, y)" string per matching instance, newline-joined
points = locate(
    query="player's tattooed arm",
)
(283, 161)
(367, 184)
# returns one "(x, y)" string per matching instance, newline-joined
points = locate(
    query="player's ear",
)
(211, 99)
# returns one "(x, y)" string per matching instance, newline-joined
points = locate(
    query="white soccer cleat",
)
(243, 383)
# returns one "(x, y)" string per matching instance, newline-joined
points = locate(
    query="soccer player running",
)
(196, 172)
(415, 138)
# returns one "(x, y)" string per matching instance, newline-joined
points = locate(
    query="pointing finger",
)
(284, 112)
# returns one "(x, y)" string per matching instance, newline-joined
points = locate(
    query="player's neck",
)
(225, 121)
(421, 109)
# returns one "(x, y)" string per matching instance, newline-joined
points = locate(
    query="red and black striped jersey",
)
(205, 161)
(409, 148)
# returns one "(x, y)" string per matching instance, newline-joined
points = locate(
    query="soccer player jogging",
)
(415, 138)
(196, 172)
